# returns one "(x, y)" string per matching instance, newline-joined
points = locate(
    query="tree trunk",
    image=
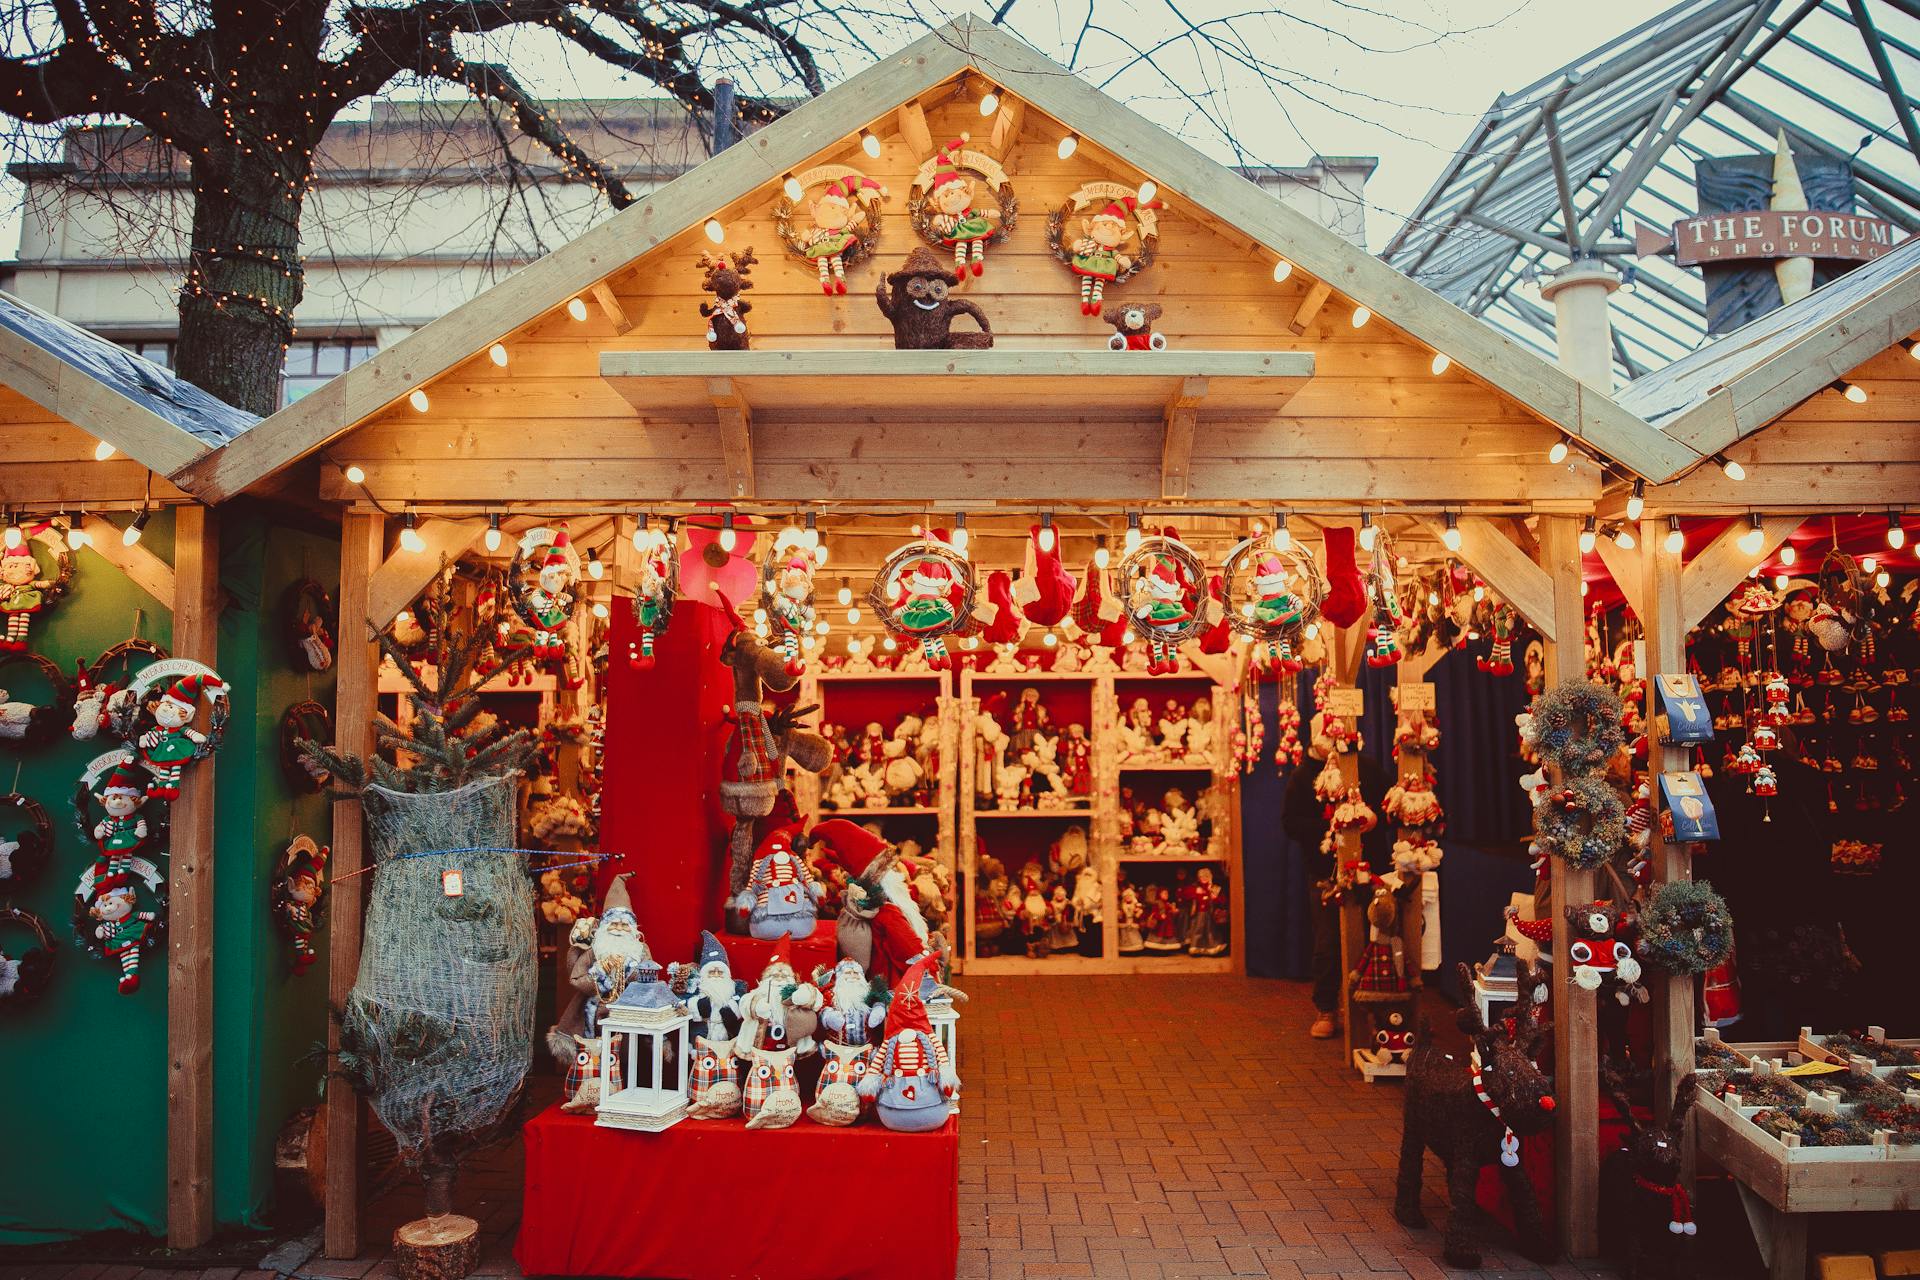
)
(244, 278)
(439, 1183)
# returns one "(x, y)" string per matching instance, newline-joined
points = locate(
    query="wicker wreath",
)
(1303, 604)
(782, 612)
(32, 725)
(521, 578)
(866, 224)
(24, 977)
(84, 799)
(889, 597)
(1582, 823)
(148, 873)
(131, 718)
(1136, 597)
(1084, 199)
(1576, 726)
(1686, 929)
(307, 721)
(24, 852)
(920, 210)
(653, 609)
(311, 622)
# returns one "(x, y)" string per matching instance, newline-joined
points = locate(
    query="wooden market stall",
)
(1300, 375)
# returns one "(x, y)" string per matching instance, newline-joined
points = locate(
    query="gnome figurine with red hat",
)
(785, 895)
(166, 748)
(780, 1012)
(911, 1082)
(954, 220)
(880, 925)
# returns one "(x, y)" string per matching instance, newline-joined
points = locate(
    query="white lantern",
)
(944, 1019)
(654, 1028)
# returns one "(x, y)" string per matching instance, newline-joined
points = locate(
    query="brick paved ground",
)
(1114, 1128)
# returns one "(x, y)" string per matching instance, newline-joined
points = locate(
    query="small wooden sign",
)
(1343, 702)
(1770, 233)
(1417, 696)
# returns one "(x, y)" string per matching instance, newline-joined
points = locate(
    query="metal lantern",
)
(944, 1019)
(650, 1027)
(1283, 593)
(1163, 588)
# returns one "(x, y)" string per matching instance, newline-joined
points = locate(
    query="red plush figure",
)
(1346, 600)
(1045, 592)
(1007, 624)
(880, 925)
(1218, 637)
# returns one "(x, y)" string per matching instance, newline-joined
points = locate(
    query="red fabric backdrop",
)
(660, 807)
(708, 1200)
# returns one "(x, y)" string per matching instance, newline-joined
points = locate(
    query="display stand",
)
(1100, 693)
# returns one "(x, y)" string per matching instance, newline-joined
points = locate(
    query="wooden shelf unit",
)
(1102, 820)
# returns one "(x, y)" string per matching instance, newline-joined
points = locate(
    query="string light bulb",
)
(498, 354)
(1368, 534)
(1148, 190)
(355, 473)
(989, 101)
(1788, 553)
(1050, 639)
(960, 536)
(728, 538)
(1132, 543)
(493, 532)
(845, 594)
(1853, 391)
(1676, 540)
(418, 399)
(1637, 500)
(577, 307)
(13, 536)
(889, 644)
(77, 535)
(102, 451)
(1068, 145)
(1479, 592)
(1282, 536)
(1755, 536)
(1623, 538)
(1882, 579)
(1561, 448)
(410, 539)
(870, 144)
(791, 185)
(1441, 363)
(853, 616)
(810, 530)
(1781, 581)
(1450, 536)
(1869, 563)
(1281, 270)
(600, 609)
(642, 535)
(1589, 536)
(1912, 347)
(716, 230)
(1361, 315)
(131, 535)
(1313, 631)
(1101, 556)
(1896, 534)
(595, 569)
(1729, 468)
(1046, 540)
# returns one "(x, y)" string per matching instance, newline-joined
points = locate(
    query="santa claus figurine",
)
(911, 1081)
(782, 893)
(619, 951)
(880, 925)
(780, 1012)
(714, 1001)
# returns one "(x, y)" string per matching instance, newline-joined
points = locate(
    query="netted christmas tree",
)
(437, 1031)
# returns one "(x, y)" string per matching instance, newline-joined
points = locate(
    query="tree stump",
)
(442, 1248)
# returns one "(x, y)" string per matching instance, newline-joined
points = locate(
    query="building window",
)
(310, 364)
(160, 351)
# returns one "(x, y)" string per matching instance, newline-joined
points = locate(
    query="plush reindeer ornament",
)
(726, 316)
(1646, 1215)
(760, 744)
(1471, 1112)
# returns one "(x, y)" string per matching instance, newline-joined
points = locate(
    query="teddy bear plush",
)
(1133, 327)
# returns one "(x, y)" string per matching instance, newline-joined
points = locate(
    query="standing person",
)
(1303, 817)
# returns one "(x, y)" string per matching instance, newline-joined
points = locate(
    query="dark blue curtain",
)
(1277, 872)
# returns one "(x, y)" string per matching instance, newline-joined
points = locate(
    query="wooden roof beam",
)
(734, 418)
(1006, 124)
(406, 573)
(1721, 565)
(1176, 451)
(146, 570)
(610, 308)
(1310, 305)
(1507, 569)
(913, 128)
(1625, 568)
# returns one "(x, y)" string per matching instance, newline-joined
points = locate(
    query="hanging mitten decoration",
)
(786, 593)
(1282, 594)
(299, 897)
(842, 223)
(1105, 234)
(1045, 591)
(656, 587)
(946, 208)
(1346, 599)
(1161, 584)
(925, 592)
(25, 588)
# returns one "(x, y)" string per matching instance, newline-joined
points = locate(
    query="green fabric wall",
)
(84, 1071)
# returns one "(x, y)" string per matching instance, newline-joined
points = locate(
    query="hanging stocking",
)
(1218, 637)
(1346, 598)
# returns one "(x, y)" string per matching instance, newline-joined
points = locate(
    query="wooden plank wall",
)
(48, 459)
(1373, 415)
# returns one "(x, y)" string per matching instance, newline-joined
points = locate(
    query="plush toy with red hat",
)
(24, 592)
(784, 894)
(166, 748)
(880, 925)
(123, 832)
(786, 591)
(954, 219)
(780, 1011)
(845, 219)
(1100, 254)
(546, 604)
(1045, 591)
(924, 592)
(911, 1081)
(298, 897)
(108, 917)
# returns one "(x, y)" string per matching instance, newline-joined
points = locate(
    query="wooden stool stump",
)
(443, 1248)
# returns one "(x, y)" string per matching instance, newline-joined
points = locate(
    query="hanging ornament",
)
(31, 724)
(26, 841)
(1114, 241)
(158, 719)
(540, 584)
(100, 690)
(841, 225)
(119, 911)
(946, 209)
(1162, 585)
(25, 971)
(25, 587)
(307, 721)
(310, 623)
(654, 592)
(1281, 594)
(1383, 636)
(299, 896)
(787, 594)
(925, 592)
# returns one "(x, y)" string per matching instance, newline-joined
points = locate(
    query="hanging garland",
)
(24, 852)
(1687, 928)
(1583, 822)
(1576, 726)
(24, 976)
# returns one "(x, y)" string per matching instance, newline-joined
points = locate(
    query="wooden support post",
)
(190, 959)
(610, 308)
(1176, 451)
(1317, 295)
(1661, 590)
(361, 542)
(913, 127)
(1576, 1036)
(735, 421)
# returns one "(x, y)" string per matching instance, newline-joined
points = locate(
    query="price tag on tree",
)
(452, 883)
(1342, 701)
(1416, 696)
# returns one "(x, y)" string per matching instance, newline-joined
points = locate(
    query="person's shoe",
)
(1323, 1027)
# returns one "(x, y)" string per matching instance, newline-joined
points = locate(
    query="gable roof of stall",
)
(1769, 394)
(74, 382)
(827, 126)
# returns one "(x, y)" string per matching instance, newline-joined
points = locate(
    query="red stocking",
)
(1007, 623)
(1346, 596)
(1217, 637)
(1045, 594)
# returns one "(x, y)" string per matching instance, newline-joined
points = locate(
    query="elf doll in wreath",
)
(1099, 256)
(955, 221)
(835, 233)
(550, 601)
(296, 901)
(173, 742)
(120, 930)
(929, 602)
(123, 832)
(23, 593)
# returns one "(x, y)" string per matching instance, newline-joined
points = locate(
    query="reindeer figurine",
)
(1646, 1215)
(726, 315)
(1471, 1112)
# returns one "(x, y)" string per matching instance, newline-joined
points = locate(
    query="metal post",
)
(725, 131)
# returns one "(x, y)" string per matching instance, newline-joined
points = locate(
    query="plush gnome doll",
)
(911, 1082)
(714, 1002)
(1598, 950)
(880, 924)
(784, 893)
(1045, 591)
(167, 747)
(123, 831)
(1346, 600)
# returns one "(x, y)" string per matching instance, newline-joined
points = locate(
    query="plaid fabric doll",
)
(715, 1082)
(836, 1099)
(772, 1095)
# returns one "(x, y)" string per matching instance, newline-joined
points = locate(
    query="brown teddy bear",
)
(915, 300)
(1133, 327)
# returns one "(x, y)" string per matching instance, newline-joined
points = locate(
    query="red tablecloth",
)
(748, 956)
(708, 1200)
